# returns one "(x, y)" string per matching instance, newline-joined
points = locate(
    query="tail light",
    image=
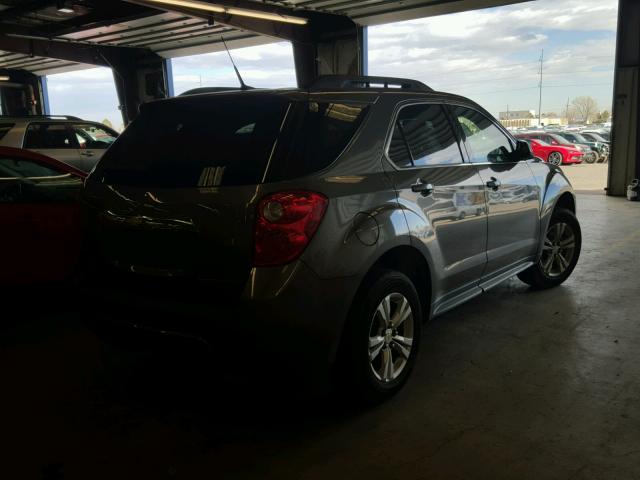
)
(285, 224)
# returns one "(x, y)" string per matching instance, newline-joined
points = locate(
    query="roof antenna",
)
(243, 86)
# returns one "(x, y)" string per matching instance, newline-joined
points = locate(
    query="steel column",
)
(624, 165)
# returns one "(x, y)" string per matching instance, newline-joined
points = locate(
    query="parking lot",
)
(546, 389)
(585, 177)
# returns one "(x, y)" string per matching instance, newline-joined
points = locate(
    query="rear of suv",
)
(70, 140)
(324, 224)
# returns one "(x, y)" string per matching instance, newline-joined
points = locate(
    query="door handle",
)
(494, 183)
(423, 188)
(87, 154)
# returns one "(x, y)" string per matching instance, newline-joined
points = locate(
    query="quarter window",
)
(485, 142)
(423, 136)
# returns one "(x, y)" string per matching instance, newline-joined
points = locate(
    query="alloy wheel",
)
(391, 337)
(558, 250)
(555, 158)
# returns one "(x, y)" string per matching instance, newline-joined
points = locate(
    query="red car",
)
(40, 217)
(554, 154)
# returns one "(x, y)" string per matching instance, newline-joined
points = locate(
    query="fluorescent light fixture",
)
(62, 7)
(211, 7)
(4, 78)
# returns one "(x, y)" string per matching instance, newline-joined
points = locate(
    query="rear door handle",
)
(422, 187)
(494, 183)
(87, 154)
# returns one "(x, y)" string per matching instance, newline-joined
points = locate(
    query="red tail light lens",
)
(285, 224)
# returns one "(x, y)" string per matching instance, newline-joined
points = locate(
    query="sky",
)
(491, 56)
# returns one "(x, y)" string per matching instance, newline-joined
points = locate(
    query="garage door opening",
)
(264, 66)
(87, 94)
(543, 68)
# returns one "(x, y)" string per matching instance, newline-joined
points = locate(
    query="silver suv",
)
(68, 139)
(323, 225)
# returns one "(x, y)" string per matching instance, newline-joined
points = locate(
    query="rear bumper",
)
(287, 311)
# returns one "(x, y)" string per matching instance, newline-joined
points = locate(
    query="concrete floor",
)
(517, 384)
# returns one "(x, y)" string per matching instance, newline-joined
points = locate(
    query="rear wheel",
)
(560, 252)
(555, 158)
(590, 158)
(381, 339)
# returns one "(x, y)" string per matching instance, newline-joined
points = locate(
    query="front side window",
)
(48, 135)
(93, 137)
(423, 136)
(485, 141)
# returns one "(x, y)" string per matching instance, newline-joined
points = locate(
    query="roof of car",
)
(366, 94)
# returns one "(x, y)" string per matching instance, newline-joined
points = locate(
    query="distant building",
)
(528, 119)
(517, 115)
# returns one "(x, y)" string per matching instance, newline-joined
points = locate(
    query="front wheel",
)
(555, 158)
(560, 252)
(382, 338)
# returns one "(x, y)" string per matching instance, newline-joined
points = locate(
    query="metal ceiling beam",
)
(320, 25)
(92, 54)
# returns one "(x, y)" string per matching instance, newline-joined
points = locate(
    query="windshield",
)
(596, 137)
(561, 140)
(579, 138)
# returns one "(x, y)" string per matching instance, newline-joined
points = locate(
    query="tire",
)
(553, 267)
(555, 158)
(589, 159)
(369, 341)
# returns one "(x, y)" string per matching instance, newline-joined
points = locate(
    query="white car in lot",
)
(71, 140)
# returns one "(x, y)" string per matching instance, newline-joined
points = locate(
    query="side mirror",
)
(522, 152)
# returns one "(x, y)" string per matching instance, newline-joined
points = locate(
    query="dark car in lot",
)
(596, 137)
(40, 217)
(326, 224)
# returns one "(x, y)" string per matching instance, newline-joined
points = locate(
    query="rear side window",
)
(423, 136)
(4, 129)
(314, 137)
(48, 135)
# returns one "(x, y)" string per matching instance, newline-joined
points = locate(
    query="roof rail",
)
(343, 82)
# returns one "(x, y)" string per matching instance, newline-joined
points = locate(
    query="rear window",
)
(227, 141)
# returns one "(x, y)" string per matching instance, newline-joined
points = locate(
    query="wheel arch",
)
(410, 261)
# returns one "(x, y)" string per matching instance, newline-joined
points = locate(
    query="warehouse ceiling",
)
(175, 31)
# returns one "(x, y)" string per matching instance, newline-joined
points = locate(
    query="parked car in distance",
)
(39, 214)
(71, 140)
(601, 149)
(589, 156)
(554, 154)
(327, 224)
(596, 137)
